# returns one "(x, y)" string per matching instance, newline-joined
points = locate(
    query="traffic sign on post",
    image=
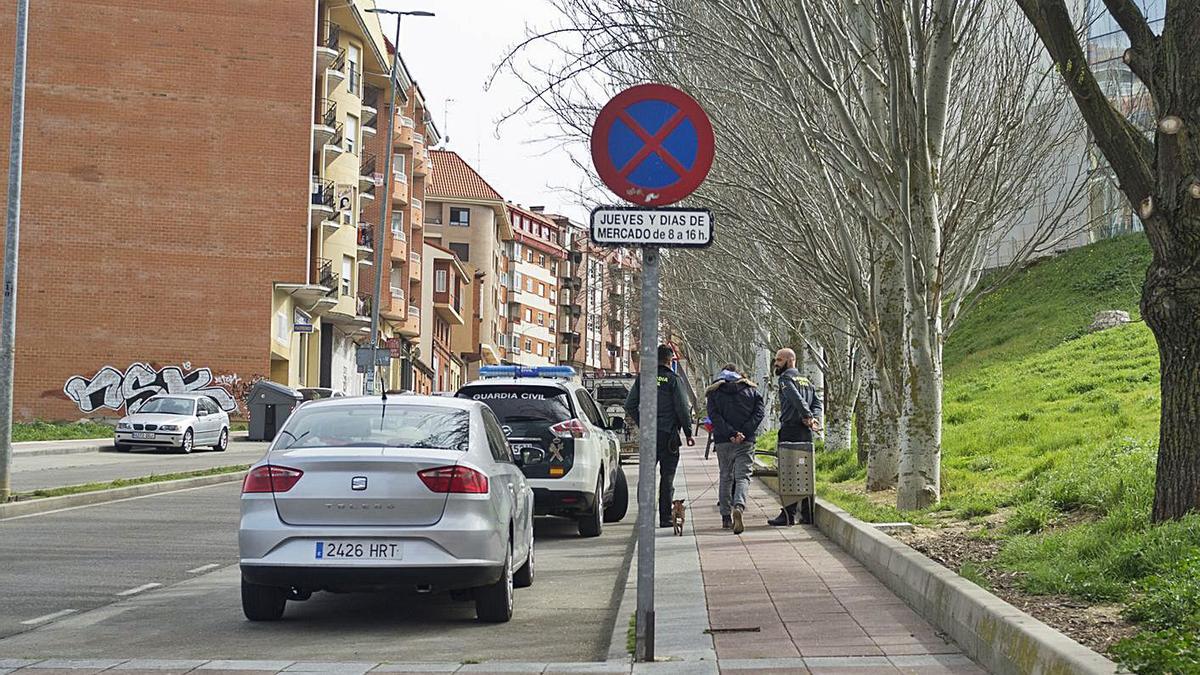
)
(652, 145)
(632, 226)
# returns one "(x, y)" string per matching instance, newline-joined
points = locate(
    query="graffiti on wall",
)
(111, 388)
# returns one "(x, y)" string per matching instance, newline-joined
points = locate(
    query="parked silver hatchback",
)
(368, 493)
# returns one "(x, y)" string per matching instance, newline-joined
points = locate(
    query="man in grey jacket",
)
(799, 415)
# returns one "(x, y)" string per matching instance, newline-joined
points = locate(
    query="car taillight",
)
(271, 478)
(454, 479)
(570, 429)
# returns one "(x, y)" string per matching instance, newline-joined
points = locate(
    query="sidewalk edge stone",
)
(995, 634)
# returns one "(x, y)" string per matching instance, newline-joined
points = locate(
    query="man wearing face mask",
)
(799, 415)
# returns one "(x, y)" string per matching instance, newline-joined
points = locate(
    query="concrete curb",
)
(997, 635)
(32, 506)
(43, 448)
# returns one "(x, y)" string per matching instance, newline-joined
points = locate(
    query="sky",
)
(452, 56)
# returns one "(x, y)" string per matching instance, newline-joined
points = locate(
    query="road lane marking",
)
(139, 589)
(49, 617)
(237, 477)
(203, 568)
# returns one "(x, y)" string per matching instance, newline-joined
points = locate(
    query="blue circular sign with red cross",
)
(652, 145)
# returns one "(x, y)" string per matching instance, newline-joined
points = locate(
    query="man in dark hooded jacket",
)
(673, 417)
(736, 409)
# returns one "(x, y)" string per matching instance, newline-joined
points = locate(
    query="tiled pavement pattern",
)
(811, 602)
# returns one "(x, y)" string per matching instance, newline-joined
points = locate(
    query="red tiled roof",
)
(451, 178)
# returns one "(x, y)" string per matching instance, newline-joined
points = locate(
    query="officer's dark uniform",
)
(798, 403)
(672, 417)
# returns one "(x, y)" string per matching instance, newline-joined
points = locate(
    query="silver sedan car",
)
(181, 421)
(416, 493)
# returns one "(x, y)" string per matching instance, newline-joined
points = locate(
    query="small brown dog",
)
(677, 516)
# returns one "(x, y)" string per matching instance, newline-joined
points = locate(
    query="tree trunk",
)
(863, 440)
(920, 483)
(887, 379)
(841, 388)
(1171, 308)
(879, 424)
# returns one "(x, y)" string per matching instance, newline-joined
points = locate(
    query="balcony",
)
(336, 143)
(366, 243)
(367, 193)
(449, 308)
(321, 202)
(372, 98)
(414, 266)
(399, 247)
(412, 322)
(404, 132)
(335, 72)
(328, 43)
(325, 124)
(418, 144)
(566, 299)
(362, 305)
(399, 188)
(366, 172)
(421, 165)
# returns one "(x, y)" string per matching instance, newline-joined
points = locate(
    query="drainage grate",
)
(748, 629)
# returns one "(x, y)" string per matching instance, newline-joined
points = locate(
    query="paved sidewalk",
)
(815, 608)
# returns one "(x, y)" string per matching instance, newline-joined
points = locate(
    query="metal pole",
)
(383, 211)
(647, 454)
(8, 316)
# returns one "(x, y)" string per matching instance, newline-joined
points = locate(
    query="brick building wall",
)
(166, 183)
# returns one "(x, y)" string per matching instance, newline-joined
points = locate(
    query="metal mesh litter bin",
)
(797, 477)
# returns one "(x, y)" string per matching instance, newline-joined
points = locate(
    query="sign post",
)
(652, 145)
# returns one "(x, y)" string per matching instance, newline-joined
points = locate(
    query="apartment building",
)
(444, 291)
(534, 257)
(467, 217)
(212, 215)
(572, 297)
(610, 284)
(403, 309)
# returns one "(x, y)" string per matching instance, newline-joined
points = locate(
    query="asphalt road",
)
(84, 559)
(31, 473)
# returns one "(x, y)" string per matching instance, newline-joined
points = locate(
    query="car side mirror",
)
(529, 456)
(202, 413)
(616, 424)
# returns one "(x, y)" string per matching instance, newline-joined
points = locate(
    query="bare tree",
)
(872, 153)
(1161, 178)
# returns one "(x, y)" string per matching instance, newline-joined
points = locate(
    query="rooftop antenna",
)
(446, 121)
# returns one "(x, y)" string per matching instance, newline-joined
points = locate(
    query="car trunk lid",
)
(362, 486)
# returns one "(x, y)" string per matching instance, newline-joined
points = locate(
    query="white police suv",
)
(568, 450)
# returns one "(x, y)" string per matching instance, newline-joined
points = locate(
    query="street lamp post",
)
(8, 315)
(385, 201)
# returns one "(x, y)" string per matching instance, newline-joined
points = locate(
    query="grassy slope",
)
(1056, 428)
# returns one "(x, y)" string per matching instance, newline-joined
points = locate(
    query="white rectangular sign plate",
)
(639, 226)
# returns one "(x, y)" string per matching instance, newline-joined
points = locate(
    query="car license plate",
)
(142, 434)
(357, 550)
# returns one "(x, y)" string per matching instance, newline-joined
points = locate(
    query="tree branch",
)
(1129, 152)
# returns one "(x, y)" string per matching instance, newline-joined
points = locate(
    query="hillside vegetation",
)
(1049, 451)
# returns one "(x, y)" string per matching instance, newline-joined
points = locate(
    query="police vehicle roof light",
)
(518, 371)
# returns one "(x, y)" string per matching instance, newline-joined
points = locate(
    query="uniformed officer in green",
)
(672, 417)
(799, 414)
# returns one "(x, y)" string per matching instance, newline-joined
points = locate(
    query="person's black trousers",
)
(798, 435)
(667, 456)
